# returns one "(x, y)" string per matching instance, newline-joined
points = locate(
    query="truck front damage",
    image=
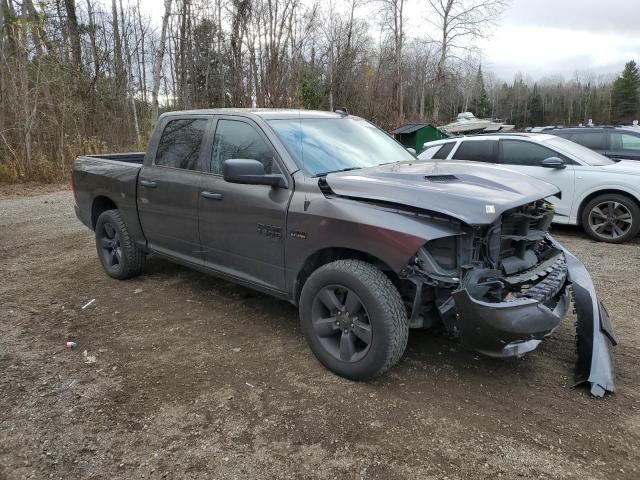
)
(504, 288)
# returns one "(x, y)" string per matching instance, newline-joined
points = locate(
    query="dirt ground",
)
(197, 378)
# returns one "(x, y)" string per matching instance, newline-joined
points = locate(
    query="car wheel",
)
(611, 218)
(353, 319)
(120, 257)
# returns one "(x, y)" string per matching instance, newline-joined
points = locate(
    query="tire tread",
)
(391, 302)
(135, 256)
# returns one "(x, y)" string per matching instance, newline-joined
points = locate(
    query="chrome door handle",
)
(212, 195)
(148, 183)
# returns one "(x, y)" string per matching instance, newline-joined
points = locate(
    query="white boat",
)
(467, 122)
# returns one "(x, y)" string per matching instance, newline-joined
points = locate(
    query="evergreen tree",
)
(482, 104)
(536, 110)
(626, 95)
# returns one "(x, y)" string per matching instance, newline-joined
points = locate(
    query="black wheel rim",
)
(610, 219)
(110, 246)
(341, 323)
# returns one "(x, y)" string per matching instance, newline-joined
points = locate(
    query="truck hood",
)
(472, 192)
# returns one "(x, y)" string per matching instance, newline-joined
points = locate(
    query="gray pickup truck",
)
(327, 211)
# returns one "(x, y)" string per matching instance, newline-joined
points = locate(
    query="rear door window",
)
(478, 151)
(518, 152)
(236, 139)
(444, 151)
(592, 140)
(181, 142)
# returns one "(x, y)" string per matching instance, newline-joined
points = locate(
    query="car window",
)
(180, 143)
(324, 145)
(477, 150)
(444, 151)
(518, 152)
(593, 140)
(429, 152)
(574, 150)
(561, 135)
(625, 141)
(239, 140)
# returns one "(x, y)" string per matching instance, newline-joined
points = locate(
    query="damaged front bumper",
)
(513, 328)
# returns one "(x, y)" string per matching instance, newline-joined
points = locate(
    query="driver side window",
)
(517, 152)
(239, 140)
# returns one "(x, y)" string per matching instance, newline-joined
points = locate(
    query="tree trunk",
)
(157, 67)
(117, 51)
(74, 34)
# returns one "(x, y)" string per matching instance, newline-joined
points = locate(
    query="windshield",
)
(581, 153)
(325, 145)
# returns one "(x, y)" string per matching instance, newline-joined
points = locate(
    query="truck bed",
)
(112, 176)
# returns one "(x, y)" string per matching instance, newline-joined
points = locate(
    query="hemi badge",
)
(490, 209)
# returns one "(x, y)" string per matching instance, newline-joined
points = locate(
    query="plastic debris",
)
(88, 303)
(88, 358)
(23, 324)
(70, 344)
(138, 290)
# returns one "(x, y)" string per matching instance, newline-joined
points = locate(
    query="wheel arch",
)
(330, 254)
(100, 204)
(590, 196)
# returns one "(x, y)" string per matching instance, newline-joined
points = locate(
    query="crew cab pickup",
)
(330, 213)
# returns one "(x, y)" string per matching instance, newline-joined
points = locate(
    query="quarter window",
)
(444, 151)
(477, 150)
(239, 140)
(180, 143)
(515, 152)
(624, 141)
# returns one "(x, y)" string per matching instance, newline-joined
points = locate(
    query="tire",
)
(329, 320)
(611, 218)
(120, 257)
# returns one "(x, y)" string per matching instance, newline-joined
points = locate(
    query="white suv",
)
(598, 193)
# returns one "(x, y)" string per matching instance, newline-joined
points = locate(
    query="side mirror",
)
(553, 162)
(411, 150)
(250, 172)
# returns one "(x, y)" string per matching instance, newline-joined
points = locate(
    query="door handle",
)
(148, 183)
(212, 195)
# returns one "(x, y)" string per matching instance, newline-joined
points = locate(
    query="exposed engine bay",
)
(503, 289)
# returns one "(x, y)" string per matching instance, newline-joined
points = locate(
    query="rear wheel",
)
(611, 218)
(353, 319)
(120, 257)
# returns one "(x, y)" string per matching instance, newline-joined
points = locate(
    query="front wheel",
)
(611, 218)
(353, 319)
(120, 257)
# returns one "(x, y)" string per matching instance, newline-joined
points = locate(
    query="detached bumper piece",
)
(513, 328)
(594, 332)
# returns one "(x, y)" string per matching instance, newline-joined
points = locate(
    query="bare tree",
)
(157, 66)
(393, 12)
(459, 22)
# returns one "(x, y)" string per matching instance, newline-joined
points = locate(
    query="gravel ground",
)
(197, 378)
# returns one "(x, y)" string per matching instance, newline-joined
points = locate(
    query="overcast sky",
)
(541, 37)
(551, 37)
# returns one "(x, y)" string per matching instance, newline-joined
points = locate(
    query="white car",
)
(598, 193)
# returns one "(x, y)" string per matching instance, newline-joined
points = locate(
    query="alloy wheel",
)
(610, 219)
(110, 245)
(341, 323)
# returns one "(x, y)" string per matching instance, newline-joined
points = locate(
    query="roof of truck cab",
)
(266, 113)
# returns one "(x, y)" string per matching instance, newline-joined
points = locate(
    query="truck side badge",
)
(489, 209)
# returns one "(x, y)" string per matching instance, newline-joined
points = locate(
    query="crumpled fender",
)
(594, 331)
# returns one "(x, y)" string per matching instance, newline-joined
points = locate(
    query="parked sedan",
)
(601, 195)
